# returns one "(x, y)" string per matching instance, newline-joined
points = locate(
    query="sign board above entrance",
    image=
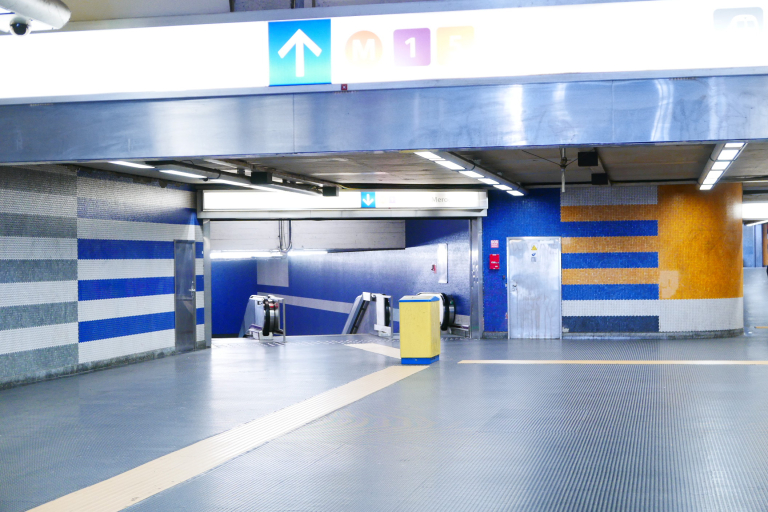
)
(646, 39)
(247, 200)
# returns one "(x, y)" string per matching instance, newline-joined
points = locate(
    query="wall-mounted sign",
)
(253, 200)
(623, 39)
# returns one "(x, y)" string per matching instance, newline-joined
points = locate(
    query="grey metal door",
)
(534, 288)
(184, 274)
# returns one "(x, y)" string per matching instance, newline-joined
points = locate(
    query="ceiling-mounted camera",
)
(20, 26)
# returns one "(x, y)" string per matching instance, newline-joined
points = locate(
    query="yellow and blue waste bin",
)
(419, 329)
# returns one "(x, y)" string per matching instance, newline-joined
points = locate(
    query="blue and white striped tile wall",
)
(125, 234)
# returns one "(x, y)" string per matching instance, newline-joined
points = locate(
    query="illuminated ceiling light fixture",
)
(757, 223)
(712, 177)
(515, 193)
(472, 170)
(182, 173)
(728, 155)
(722, 158)
(450, 165)
(131, 164)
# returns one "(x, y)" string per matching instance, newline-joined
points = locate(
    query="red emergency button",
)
(495, 262)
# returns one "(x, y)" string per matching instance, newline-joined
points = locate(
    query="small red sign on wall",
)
(495, 262)
(494, 244)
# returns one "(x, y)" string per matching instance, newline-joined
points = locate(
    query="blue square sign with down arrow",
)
(299, 52)
(367, 199)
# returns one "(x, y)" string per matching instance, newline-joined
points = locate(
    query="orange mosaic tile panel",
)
(610, 244)
(612, 213)
(700, 235)
(611, 276)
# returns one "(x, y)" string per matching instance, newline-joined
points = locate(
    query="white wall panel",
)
(611, 307)
(349, 234)
(22, 294)
(126, 345)
(129, 306)
(123, 269)
(31, 338)
(23, 248)
(701, 315)
(123, 230)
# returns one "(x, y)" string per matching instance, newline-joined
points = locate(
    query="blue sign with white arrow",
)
(367, 199)
(300, 52)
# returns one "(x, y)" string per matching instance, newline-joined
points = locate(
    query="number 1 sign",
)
(413, 47)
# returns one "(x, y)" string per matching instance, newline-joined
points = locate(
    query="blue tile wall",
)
(232, 282)
(341, 277)
(611, 260)
(590, 324)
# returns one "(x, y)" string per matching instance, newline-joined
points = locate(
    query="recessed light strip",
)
(722, 158)
(135, 165)
(465, 168)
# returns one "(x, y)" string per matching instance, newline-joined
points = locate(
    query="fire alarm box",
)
(495, 263)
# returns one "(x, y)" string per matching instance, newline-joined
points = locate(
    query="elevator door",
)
(184, 273)
(533, 288)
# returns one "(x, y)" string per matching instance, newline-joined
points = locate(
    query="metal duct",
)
(51, 12)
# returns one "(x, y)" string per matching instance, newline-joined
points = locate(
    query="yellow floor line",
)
(138, 484)
(606, 361)
(378, 349)
(761, 327)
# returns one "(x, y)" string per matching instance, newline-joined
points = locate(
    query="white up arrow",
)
(300, 40)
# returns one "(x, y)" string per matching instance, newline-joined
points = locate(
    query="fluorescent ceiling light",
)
(131, 164)
(306, 253)
(706, 187)
(244, 255)
(720, 166)
(734, 145)
(182, 173)
(428, 155)
(757, 223)
(515, 193)
(503, 187)
(728, 154)
(712, 177)
(224, 181)
(488, 181)
(471, 174)
(450, 165)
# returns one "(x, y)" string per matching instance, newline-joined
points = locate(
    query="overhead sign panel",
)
(622, 39)
(248, 200)
(300, 52)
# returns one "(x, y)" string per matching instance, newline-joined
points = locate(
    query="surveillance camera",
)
(20, 27)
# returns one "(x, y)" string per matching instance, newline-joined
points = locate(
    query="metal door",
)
(534, 288)
(184, 274)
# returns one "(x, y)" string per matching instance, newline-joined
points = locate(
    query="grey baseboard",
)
(66, 371)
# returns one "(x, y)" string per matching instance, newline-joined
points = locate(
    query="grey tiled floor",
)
(453, 437)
